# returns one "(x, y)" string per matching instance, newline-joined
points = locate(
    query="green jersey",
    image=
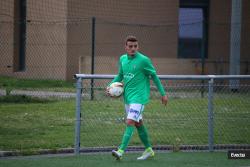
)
(135, 72)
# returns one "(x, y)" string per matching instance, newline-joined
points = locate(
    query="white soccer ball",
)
(116, 89)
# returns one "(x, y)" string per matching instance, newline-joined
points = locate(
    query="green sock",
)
(126, 137)
(143, 134)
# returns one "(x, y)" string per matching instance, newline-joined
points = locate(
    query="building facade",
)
(55, 39)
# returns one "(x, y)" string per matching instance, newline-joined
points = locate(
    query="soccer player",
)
(135, 71)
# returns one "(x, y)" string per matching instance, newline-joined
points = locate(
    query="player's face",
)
(131, 47)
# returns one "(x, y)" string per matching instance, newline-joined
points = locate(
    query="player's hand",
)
(164, 100)
(107, 91)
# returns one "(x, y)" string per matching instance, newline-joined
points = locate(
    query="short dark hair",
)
(130, 38)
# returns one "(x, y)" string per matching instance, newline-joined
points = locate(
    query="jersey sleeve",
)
(158, 84)
(119, 76)
(150, 70)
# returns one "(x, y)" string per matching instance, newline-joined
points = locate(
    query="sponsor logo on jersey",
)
(128, 75)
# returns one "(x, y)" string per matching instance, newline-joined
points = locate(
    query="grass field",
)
(50, 125)
(36, 126)
(180, 159)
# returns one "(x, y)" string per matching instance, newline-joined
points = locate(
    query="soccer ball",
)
(116, 89)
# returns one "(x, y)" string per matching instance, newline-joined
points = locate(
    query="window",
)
(192, 42)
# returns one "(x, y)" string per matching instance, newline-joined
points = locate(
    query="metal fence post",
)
(93, 56)
(78, 115)
(210, 115)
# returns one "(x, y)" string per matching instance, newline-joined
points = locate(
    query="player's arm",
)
(150, 70)
(118, 78)
(157, 82)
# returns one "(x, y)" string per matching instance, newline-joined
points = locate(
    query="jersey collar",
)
(132, 57)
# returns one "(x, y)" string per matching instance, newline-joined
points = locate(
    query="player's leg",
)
(133, 115)
(143, 135)
(125, 139)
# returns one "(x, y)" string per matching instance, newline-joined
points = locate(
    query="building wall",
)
(219, 36)
(59, 36)
(6, 37)
(159, 44)
(46, 36)
(245, 40)
(114, 21)
(46, 39)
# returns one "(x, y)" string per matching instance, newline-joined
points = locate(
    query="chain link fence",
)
(34, 119)
(41, 50)
(55, 40)
(202, 114)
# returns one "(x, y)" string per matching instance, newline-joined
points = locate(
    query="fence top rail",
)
(167, 77)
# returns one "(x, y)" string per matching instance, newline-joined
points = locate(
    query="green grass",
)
(184, 119)
(194, 159)
(32, 126)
